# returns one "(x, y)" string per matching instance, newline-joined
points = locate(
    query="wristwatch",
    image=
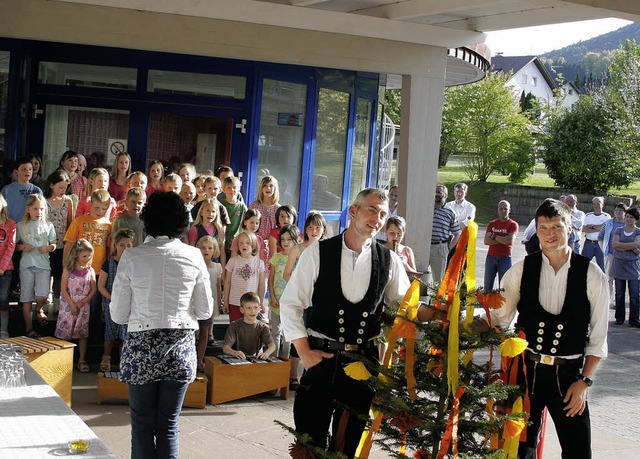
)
(587, 381)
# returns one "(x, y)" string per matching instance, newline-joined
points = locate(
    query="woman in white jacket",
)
(160, 291)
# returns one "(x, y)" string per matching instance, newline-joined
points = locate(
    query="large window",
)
(196, 84)
(364, 117)
(331, 145)
(281, 137)
(87, 76)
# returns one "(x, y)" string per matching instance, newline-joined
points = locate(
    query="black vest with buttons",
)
(335, 316)
(562, 334)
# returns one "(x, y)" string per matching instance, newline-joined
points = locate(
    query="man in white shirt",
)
(563, 310)
(577, 220)
(463, 209)
(593, 223)
(346, 316)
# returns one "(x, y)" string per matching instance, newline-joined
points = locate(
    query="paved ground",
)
(245, 429)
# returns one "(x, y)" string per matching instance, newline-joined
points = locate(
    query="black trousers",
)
(548, 385)
(325, 390)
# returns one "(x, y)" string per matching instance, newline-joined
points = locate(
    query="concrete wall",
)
(525, 200)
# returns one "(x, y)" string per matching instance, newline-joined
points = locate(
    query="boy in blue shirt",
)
(16, 193)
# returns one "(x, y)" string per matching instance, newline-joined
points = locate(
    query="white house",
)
(570, 95)
(529, 75)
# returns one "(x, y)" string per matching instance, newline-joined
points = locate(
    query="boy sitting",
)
(130, 219)
(248, 335)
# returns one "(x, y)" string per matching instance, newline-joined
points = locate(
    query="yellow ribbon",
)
(512, 431)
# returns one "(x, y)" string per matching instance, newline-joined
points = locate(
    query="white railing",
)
(385, 164)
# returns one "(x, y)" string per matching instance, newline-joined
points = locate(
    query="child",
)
(285, 215)
(267, 204)
(315, 229)
(98, 180)
(70, 162)
(198, 182)
(60, 210)
(223, 173)
(289, 237)
(251, 223)
(248, 335)
(187, 172)
(172, 182)
(124, 239)
(130, 219)
(235, 210)
(155, 172)
(395, 229)
(210, 251)
(16, 192)
(245, 273)
(188, 193)
(135, 180)
(37, 238)
(94, 227)
(7, 246)
(207, 223)
(119, 173)
(212, 188)
(78, 287)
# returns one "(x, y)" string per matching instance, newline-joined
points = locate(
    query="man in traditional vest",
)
(563, 310)
(346, 280)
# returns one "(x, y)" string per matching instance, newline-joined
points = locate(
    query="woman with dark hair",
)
(625, 269)
(160, 291)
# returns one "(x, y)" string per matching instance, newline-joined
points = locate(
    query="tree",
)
(583, 150)
(485, 121)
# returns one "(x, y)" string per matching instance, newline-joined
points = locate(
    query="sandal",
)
(42, 318)
(293, 384)
(105, 363)
(83, 367)
(33, 334)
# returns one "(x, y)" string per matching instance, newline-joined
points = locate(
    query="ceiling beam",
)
(305, 2)
(411, 9)
(272, 14)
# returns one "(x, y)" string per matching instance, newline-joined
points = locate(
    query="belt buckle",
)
(350, 347)
(547, 359)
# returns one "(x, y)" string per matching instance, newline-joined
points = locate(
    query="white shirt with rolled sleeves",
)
(162, 283)
(355, 274)
(465, 211)
(553, 287)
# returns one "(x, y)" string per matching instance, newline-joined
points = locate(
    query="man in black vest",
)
(347, 279)
(562, 309)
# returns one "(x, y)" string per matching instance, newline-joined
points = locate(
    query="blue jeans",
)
(634, 300)
(492, 266)
(592, 249)
(155, 408)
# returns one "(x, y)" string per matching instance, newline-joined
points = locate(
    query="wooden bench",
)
(52, 358)
(109, 386)
(232, 382)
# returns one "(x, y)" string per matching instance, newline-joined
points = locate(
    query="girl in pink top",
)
(395, 229)
(245, 273)
(285, 215)
(98, 180)
(207, 223)
(155, 174)
(7, 247)
(119, 173)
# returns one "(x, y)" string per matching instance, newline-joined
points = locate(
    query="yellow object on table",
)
(52, 358)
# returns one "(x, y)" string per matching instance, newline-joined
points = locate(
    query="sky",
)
(539, 40)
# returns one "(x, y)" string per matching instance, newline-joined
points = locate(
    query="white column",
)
(421, 120)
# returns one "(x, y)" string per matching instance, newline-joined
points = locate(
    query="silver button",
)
(539, 339)
(341, 329)
(341, 312)
(560, 326)
(361, 332)
(541, 324)
(340, 320)
(539, 347)
(553, 350)
(359, 341)
(541, 332)
(363, 324)
(556, 342)
(365, 314)
(341, 339)
(558, 334)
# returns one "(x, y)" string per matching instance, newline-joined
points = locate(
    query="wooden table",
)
(36, 423)
(232, 382)
(52, 359)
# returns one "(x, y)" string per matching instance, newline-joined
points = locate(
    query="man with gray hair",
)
(444, 234)
(463, 209)
(593, 223)
(577, 220)
(500, 235)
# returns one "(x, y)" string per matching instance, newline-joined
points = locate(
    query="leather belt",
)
(446, 241)
(551, 359)
(329, 345)
(589, 240)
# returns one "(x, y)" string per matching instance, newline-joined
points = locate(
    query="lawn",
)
(485, 195)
